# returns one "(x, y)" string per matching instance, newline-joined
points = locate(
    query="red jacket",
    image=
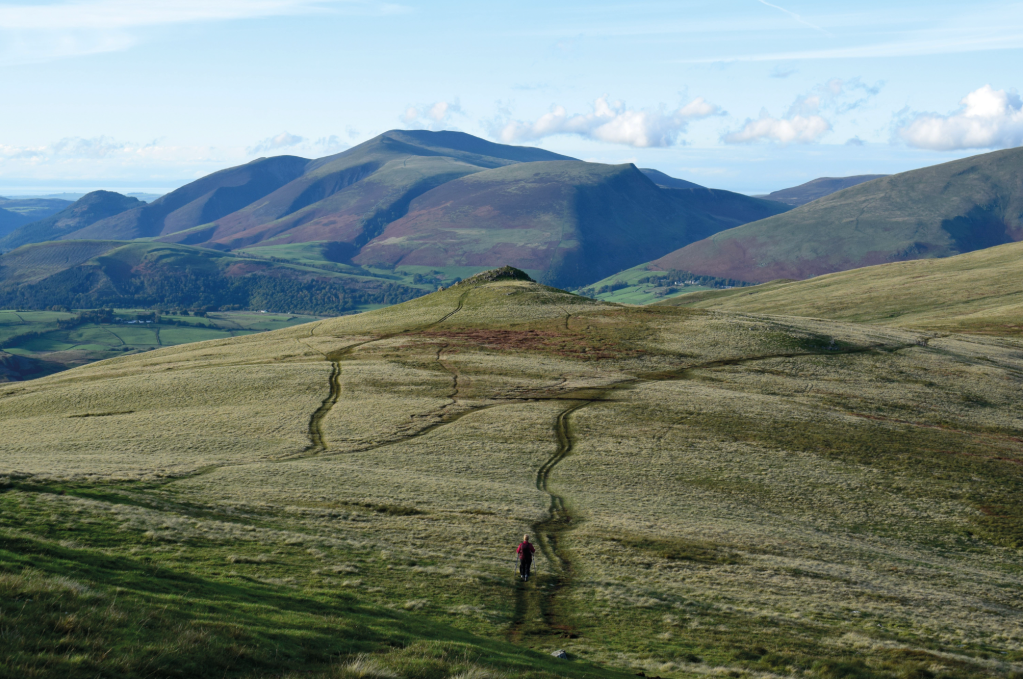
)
(525, 550)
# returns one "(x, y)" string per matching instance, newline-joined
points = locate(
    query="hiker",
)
(525, 555)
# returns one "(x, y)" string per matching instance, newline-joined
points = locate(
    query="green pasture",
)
(636, 292)
(35, 334)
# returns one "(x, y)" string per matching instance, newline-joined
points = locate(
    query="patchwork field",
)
(712, 493)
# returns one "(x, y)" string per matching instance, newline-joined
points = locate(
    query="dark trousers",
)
(524, 565)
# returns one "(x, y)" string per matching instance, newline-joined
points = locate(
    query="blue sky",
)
(746, 95)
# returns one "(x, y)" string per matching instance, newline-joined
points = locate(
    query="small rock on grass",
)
(560, 654)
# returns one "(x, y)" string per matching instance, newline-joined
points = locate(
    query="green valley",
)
(35, 343)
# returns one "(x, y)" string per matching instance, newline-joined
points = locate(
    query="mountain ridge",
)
(938, 211)
(420, 190)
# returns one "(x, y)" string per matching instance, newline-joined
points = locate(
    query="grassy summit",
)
(975, 292)
(711, 493)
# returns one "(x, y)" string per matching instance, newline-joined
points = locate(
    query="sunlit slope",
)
(708, 489)
(938, 211)
(975, 292)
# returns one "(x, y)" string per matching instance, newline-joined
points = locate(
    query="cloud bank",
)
(611, 122)
(987, 118)
(796, 128)
(804, 122)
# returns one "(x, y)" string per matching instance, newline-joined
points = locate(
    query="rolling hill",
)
(937, 211)
(979, 291)
(84, 212)
(711, 493)
(90, 274)
(568, 221)
(818, 188)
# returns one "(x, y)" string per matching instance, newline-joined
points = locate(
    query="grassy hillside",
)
(35, 343)
(573, 221)
(87, 210)
(818, 188)
(711, 494)
(91, 274)
(976, 292)
(640, 286)
(938, 211)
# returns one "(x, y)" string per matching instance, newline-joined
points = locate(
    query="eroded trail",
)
(537, 605)
(317, 441)
(538, 609)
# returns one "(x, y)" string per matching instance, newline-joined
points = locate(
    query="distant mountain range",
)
(410, 210)
(17, 212)
(818, 188)
(433, 202)
(938, 211)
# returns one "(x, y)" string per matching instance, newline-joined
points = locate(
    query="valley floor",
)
(712, 494)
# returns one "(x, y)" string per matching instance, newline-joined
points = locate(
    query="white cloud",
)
(804, 122)
(611, 122)
(987, 118)
(797, 128)
(434, 116)
(281, 141)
